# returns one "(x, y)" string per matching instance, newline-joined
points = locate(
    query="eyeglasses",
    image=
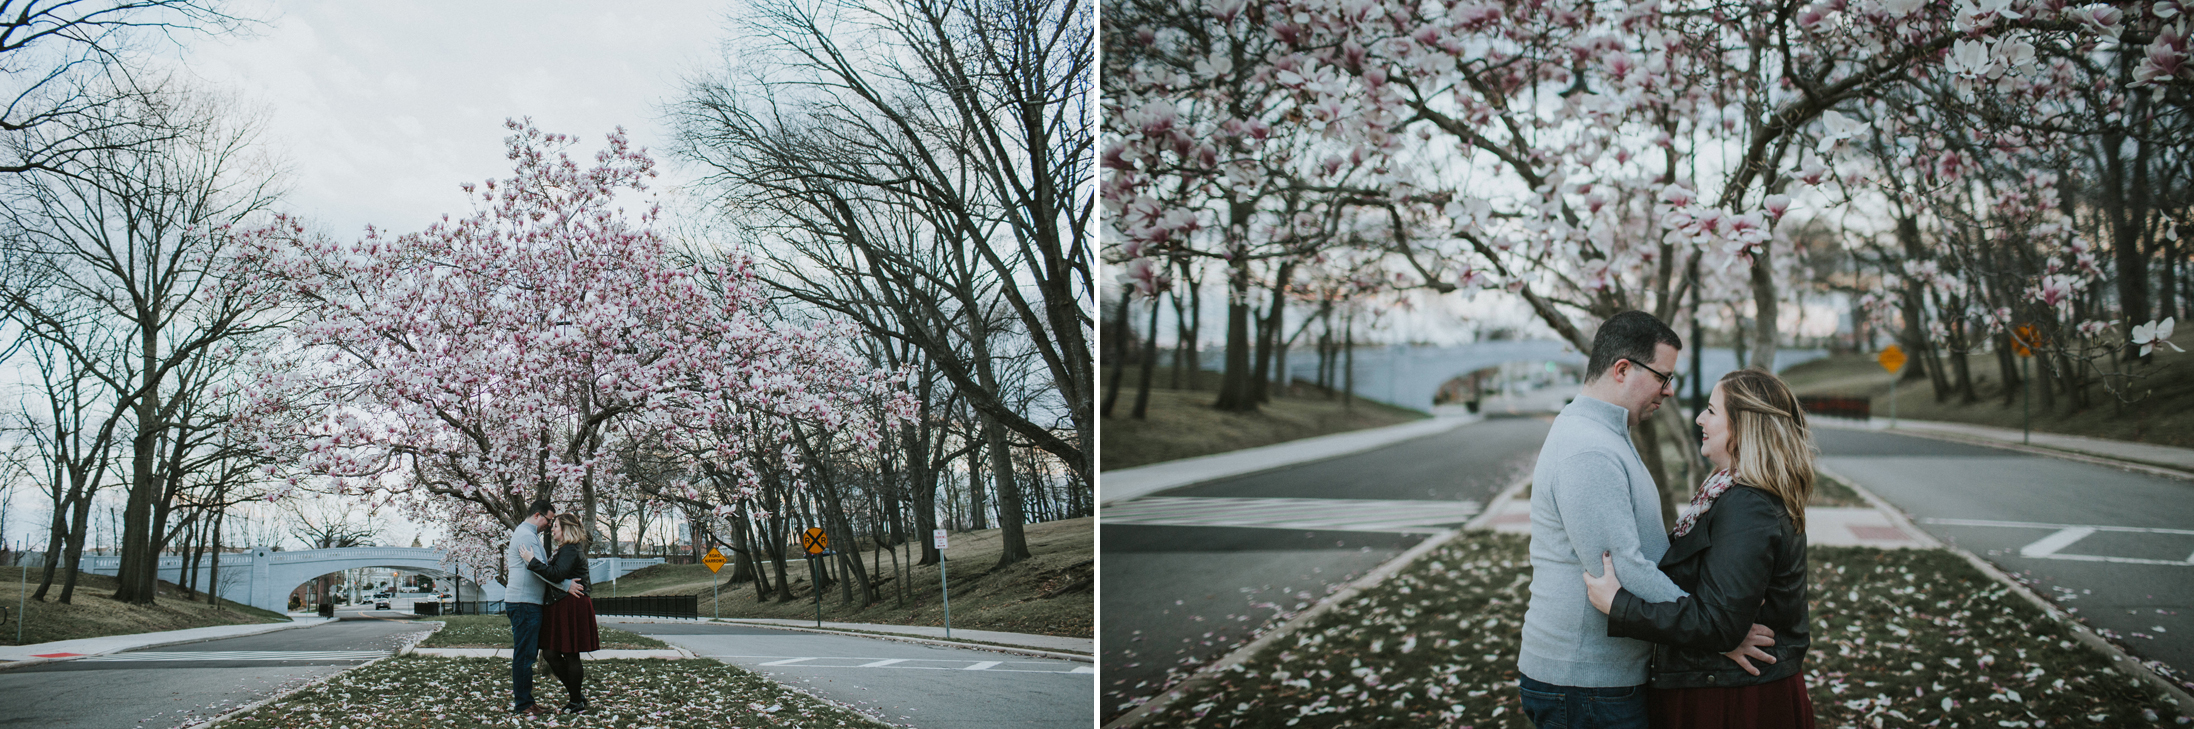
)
(1674, 381)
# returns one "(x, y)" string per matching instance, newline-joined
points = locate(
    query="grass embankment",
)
(493, 631)
(1052, 593)
(2162, 411)
(1901, 638)
(463, 693)
(91, 613)
(1182, 424)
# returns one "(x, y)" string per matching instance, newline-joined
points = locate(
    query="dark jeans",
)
(525, 645)
(1569, 707)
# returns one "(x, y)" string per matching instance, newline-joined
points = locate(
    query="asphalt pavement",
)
(2111, 546)
(925, 686)
(184, 683)
(1191, 573)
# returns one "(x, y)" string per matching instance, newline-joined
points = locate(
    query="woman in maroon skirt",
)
(567, 625)
(1740, 556)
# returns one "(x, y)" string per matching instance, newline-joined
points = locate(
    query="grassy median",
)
(1901, 638)
(418, 692)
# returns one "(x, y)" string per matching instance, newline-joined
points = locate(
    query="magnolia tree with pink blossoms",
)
(467, 369)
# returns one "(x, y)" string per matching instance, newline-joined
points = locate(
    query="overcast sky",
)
(381, 110)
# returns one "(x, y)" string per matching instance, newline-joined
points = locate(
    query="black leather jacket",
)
(570, 564)
(1742, 563)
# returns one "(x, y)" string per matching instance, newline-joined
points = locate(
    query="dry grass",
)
(91, 614)
(2162, 411)
(1182, 424)
(984, 596)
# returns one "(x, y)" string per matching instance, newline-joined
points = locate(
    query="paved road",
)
(181, 684)
(1190, 574)
(903, 683)
(2114, 547)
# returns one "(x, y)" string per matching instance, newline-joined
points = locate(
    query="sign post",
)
(944, 586)
(817, 544)
(715, 561)
(2024, 339)
(1892, 359)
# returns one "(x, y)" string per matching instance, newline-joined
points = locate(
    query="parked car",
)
(381, 605)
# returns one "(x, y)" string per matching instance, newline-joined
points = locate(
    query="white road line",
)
(2050, 544)
(2034, 525)
(1364, 515)
(788, 661)
(241, 656)
(983, 666)
(2120, 560)
(885, 662)
(1084, 669)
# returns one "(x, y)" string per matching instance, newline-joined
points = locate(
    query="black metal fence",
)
(1836, 407)
(653, 606)
(448, 607)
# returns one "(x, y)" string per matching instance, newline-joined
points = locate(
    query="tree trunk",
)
(1119, 364)
(1646, 438)
(1235, 393)
(1150, 366)
(1014, 547)
(1268, 335)
(1765, 303)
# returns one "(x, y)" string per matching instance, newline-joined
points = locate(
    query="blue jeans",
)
(525, 646)
(1569, 707)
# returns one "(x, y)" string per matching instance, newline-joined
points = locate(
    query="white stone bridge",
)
(263, 578)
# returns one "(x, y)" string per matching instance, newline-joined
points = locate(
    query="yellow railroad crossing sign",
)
(814, 540)
(2024, 339)
(714, 560)
(1892, 359)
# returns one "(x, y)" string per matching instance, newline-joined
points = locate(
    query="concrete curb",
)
(1370, 579)
(270, 627)
(992, 647)
(2121, 660)
(254, 706)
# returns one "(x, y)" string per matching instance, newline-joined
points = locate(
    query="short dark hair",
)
(541, 506)
(1629, 335)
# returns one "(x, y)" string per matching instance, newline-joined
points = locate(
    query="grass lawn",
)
(2163, 412)
(1901, 638)
(984, 597)
(91, 614)
(428, 691)
(493, 631)
(1182, 424)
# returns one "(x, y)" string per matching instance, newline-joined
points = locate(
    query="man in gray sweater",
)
(1591, 494)
(522, 599)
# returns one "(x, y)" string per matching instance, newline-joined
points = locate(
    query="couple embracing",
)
(1702, 626)
(543, 620)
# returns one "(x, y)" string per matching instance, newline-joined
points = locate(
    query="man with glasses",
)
(1591, 494)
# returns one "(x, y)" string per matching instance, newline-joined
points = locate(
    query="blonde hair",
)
(570, 530)
(1769, 445)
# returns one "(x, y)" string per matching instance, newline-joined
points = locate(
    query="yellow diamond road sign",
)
(1893, 358)
(2024, 339)
(814, 540)
(714, 559)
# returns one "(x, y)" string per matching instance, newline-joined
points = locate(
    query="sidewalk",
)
(1132, 483)
(2142, 454)
(15, 656)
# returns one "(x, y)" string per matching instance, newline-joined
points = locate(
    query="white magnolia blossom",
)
(2154, 333)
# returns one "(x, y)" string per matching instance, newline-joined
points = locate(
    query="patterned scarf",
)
(1715, 484)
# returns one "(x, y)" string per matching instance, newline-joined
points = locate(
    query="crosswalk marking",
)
(788, 661)
(242, 656)
(1354, 515)
(983, 666)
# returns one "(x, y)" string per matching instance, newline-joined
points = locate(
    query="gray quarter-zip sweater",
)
(1590, 493)
(525, 586)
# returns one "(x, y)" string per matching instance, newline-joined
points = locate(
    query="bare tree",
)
(136, 236)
